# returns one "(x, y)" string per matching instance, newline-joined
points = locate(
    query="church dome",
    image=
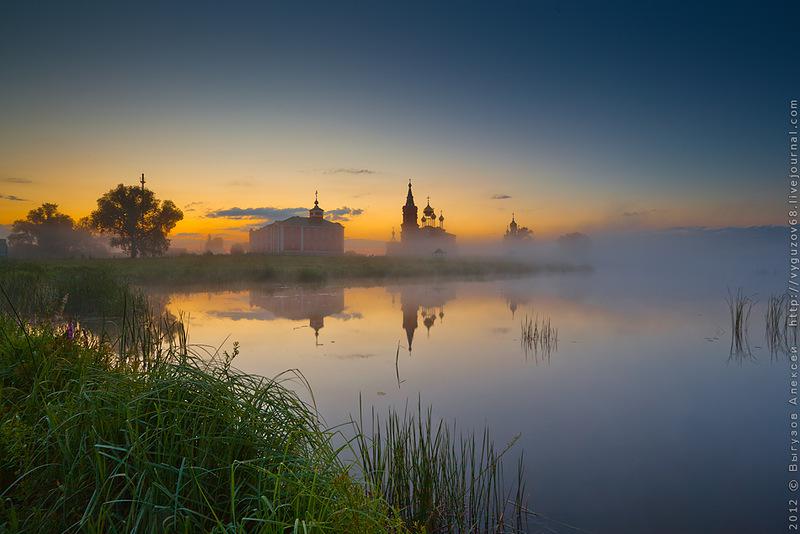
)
(316, 212)
(428, 211)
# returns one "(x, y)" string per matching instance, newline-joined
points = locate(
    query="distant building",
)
(311, 235)
(215, 245)
(426, 238)
(299, 304)
(3, 248)
(516, 233)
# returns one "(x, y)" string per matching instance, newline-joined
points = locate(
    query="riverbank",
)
(232, 269)
(130, 428)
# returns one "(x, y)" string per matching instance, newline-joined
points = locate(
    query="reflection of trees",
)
(299, 303)
(425, 301)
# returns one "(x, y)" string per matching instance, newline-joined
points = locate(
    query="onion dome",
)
(316, 212)
(441, 216)
(513, 224)
(428, 211)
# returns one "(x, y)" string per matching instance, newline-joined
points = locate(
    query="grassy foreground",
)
(92, 444)
(228, 269)
(151, 437)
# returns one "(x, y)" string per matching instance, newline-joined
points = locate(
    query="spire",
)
(316, 198)
(410, 195)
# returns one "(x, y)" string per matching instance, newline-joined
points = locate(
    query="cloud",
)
(15, 198)
(240, 183)
(274, 214)
(500, 196)
(244, 227)
(16, 180)
(637, 213)
(266, 213)
(188, 234)
(350, 170)
(343, 214)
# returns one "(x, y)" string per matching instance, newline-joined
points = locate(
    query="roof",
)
(303, 221)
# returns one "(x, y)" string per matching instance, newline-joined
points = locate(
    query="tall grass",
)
(437, 480)
(739, 307)
(538, 337)
(90, 444)
(92, 291)
(779, 335)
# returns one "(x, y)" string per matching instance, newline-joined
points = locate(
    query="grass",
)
(92, 444)
(779, 335)
(439, 482)
(248, 268)
(739, 307)
(130, 429)
(538, 337)
(47, 289)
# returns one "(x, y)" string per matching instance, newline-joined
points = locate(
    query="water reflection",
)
(640, 399)
(301, 303)
(428, 302)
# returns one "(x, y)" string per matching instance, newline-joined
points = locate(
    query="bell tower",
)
(409, 225)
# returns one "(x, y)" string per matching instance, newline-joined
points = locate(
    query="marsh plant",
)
(538, 337)
(439, 480)
(740, 306)
(779, 332)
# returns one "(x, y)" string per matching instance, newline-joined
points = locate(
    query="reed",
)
(779, 332)
(739, 307)
(437, 480)
(538, 337)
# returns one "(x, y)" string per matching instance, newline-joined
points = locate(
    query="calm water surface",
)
(639, 422)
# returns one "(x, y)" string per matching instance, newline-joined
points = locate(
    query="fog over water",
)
(639, 420)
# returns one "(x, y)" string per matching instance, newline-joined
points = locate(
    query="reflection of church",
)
(426, 239)
(425, 302)
(300, 303)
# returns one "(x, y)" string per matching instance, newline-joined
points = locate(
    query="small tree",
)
(46, 232)
(138, 222)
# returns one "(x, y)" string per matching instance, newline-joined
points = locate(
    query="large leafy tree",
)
(47, 232)
(137, 221)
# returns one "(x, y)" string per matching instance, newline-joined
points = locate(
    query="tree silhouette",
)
(137, 221)
(46, 232)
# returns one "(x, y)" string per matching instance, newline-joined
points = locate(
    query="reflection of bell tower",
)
(409, 225)
(426, 301)
(409, 320)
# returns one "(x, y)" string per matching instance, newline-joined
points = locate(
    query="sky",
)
(574, 116)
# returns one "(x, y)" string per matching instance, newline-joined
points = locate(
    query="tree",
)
(46, 232)
(138, 222)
